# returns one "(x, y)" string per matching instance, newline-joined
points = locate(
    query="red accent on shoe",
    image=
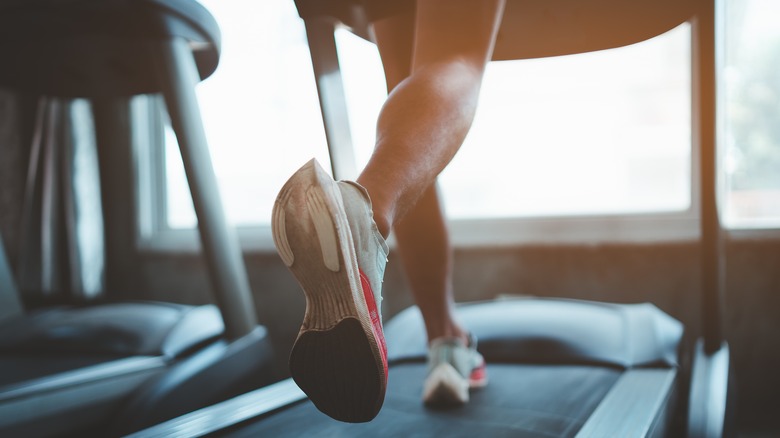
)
(376, 321)
(478, 375)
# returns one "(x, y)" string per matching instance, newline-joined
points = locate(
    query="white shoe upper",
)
(370, 247)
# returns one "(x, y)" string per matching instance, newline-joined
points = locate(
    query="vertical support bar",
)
(71, 260)
(51, 203)
(30, 256)
(320, 33)
(704, 113)
(88, 260)
(179, 76)
(10, 303)
(114, 147)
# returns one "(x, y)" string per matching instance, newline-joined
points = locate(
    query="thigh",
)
(456, 29)
(380, 9)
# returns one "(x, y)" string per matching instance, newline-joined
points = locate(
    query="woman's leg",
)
(434, 64)
(427, 115)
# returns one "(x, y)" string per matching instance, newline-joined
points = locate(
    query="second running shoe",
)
(453, 369)
(325, 234)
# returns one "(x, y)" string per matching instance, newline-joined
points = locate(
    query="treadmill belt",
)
(519, 401)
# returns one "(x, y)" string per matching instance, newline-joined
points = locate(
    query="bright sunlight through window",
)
(604, 133)
(749, 88)
(596, 133)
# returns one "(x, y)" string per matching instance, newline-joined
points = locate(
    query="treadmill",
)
(558, 367)
(110, 368)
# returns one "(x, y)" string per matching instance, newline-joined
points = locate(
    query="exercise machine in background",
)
(120, 366)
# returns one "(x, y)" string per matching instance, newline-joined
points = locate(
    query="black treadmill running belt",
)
(519, 401)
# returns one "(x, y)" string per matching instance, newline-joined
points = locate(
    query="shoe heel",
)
(312, 178)
(324, 228)
(337, 369)
(445, 387)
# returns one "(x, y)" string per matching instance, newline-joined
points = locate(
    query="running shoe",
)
(325, 234)
(453, 369)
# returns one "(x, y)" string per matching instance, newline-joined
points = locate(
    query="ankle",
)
(382, 203)
(382, 225)
(448, 331)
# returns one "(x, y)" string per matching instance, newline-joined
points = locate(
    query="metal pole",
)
(705, 128)
(179, 75)
(320, 33)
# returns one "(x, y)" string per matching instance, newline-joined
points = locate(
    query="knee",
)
(459, 69)
(458, 76)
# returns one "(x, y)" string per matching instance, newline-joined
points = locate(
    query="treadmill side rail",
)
(228, 413)
(639, 405)
(41, 406)
(709, 396)
(238, 366)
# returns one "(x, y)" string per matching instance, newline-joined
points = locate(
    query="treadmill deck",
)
(519, 401)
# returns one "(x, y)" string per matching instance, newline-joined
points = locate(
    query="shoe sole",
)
(336, 359)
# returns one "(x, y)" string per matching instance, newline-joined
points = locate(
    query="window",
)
(597, 133)
(599, 142)
(749, 88)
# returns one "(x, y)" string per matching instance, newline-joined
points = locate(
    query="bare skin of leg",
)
(423, 241)
(434, 63)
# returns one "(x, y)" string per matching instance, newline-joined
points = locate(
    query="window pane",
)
(597, 133)
(260, 111)
(750, 90)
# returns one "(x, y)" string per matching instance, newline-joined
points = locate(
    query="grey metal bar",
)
(50, 202)
(228, 413)
(113, 139)
(71, 265)
(320, 33)
(709, 394)
(179, 75)
(28, 264)
(633, 405)
(82, 376)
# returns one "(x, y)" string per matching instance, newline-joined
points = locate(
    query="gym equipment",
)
(119, 367)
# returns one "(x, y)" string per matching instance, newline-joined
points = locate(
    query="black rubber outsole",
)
(336, 368)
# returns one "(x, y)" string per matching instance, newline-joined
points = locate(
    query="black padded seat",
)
(98, 48)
